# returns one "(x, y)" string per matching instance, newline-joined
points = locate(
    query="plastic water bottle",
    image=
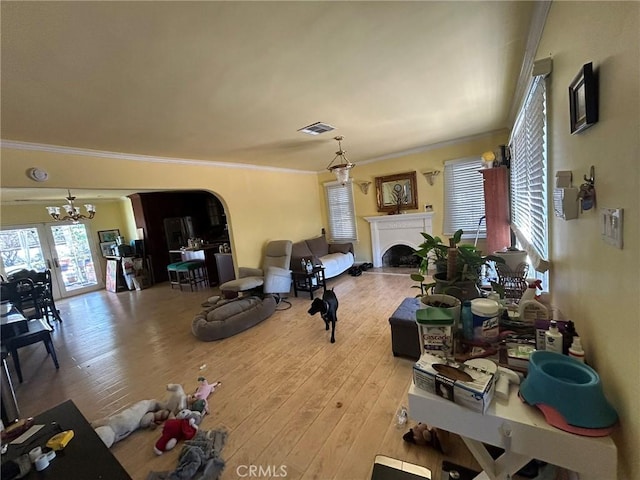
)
(467, 320)
(304, 265)
(309, 266)
(401, 416)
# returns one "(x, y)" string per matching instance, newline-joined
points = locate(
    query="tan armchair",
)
(274, 277)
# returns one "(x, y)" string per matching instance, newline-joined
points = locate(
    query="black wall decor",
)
(583, 99)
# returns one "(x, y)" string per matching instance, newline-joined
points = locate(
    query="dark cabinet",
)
(496, 208)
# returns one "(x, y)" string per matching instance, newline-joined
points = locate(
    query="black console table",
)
(309, 281)
(85, 456)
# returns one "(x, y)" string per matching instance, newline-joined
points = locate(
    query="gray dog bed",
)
(225, 318)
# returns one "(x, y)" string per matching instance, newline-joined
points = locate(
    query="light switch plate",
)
(612, 221)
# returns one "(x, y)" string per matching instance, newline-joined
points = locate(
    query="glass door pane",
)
(74, 259)
(21, 248)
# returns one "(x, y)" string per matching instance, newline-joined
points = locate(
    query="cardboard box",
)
(476, 395)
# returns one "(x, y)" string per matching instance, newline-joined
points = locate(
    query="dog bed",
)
(224, 318)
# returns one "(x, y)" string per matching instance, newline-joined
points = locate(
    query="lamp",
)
(73, 212)
(364, 186)
(430, 175)
(341, 170)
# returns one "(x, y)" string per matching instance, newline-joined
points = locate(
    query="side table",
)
(309, 281)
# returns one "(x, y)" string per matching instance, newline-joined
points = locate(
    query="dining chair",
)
(38, 331)
(25, 295)
(47, 302)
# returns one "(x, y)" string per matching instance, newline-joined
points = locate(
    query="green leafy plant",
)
(468, 261)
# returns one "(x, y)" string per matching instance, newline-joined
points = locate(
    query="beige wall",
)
(261, 205)
(593, 283)
(432, 159)
(113, 214)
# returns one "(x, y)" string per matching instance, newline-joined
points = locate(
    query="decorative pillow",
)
(318, 246)
(340, 248)
(300, 250)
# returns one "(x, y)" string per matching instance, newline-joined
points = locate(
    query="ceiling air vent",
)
(317, 128)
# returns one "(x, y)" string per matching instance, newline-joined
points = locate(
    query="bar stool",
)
(174, 276)
(192, 272)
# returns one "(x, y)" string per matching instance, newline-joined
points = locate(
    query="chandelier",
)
(72, 212)
(341, 170)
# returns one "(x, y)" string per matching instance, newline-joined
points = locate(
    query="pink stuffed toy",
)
(198, 400)
(175, 429)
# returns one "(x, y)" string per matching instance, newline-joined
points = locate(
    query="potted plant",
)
(463, 262)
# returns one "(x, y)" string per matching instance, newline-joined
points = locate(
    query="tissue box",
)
(475, 395)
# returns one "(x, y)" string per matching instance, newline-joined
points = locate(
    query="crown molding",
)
(41, 147)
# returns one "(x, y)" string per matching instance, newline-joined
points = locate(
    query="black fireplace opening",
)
(400, 256)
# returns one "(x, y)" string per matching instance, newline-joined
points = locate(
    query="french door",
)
(63, 247)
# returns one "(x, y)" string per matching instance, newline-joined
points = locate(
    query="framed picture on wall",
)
(108, 235)
(583, 99)
(105, 248)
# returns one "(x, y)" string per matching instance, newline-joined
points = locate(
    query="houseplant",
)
(458, 266)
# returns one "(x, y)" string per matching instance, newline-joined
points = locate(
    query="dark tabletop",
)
(85, 457)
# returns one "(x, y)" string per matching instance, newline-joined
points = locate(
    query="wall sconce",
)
(430, 175)
(364, 186)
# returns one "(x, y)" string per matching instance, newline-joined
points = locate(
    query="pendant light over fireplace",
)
(341, 170)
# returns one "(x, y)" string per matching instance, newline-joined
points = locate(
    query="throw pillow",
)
(318, 246)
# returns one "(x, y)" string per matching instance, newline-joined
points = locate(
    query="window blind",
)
(341, 212)
(528, 176)
(463, 197)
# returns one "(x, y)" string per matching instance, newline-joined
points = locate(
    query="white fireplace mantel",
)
(390, 230)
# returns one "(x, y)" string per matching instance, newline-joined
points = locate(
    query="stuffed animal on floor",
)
(422, 434)
(198, 400)
(153, 419)
(176, 399)
(183, 427)
(116, 427)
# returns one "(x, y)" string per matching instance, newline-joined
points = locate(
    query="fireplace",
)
(403, 230)
(400, 256)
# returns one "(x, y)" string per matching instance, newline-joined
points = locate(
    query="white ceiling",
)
(234, 81)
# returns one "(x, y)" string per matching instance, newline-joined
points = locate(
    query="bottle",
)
(529, 294)
(553, 338)
(576, 351)
(568, 335)
(532, 310)
(467, 320)
(309, 266)
(304, 265)
(401, 416)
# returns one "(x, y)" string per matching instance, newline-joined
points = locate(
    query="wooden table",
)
(521, 431)
(304, 281)
(85, 457)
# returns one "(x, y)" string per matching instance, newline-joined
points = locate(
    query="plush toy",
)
(183, 427)
(421, 434)
(198, 400)
(116, 427)
(153, 419)
(176, 400)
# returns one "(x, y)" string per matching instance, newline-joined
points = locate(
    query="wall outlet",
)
(611, 220)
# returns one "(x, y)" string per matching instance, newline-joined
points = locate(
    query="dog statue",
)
(328, 308)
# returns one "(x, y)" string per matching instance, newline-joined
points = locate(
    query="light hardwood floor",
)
(288, 396)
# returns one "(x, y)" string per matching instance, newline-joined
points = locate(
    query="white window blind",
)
(341, 212)
(464, 197)
(529, 176)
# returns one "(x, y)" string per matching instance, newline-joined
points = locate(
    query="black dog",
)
(328, 308)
